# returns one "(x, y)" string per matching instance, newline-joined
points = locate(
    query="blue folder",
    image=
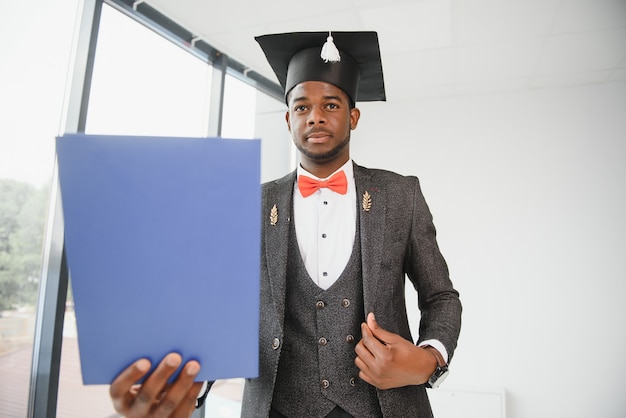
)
(162, 237)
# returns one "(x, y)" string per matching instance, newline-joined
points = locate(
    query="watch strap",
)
(441, 372)
(202, 398)
(440, 360)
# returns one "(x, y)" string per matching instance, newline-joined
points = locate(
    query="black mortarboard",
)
(295, 58)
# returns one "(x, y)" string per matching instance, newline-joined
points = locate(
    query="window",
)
(145, 85)
(239, 109)
(142, 84)
(32, 85)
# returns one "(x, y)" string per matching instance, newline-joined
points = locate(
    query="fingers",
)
(369, 345)
(371, 320)
(368, 349)
(123, 388)
(180, 398)
(375, 352)
(374, 338)
(156, 397)
(188, 403)
(387, 360)
(363, 353)
(379, 333)
(152, 389)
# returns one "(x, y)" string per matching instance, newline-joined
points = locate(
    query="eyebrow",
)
(304, 98)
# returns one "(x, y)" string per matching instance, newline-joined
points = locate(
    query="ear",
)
(287, 119)
(355, 114)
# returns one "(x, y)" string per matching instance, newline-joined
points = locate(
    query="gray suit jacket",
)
(397, 239)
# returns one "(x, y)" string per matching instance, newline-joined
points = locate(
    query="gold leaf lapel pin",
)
(274, 215)
(366, 203)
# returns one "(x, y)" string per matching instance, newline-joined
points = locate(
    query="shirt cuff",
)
(436, 344)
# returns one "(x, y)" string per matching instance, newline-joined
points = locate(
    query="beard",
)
(321, 157)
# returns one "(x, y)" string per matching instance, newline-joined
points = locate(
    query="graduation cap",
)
(349, 60)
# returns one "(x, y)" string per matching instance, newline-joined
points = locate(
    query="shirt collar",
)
(347, 168)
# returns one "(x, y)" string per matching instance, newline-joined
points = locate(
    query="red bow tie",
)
(337, 183)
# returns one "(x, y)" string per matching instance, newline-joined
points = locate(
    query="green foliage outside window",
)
(22, 220)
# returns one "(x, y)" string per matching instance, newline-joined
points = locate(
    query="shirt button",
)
(345, 303)
(275, 343)
(325, 384)
(322, 341)
(350, 338)
(325, 274)
(325, 202)
(320, 304)
(352, 381)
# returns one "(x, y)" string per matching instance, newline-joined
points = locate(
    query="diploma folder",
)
(162, 239)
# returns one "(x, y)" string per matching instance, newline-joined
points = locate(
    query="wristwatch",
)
(441, 372)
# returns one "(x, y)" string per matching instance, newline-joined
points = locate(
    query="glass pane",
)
(278, 153)
(36, 41)
(142, 84)
(238, 115)
(145, 85)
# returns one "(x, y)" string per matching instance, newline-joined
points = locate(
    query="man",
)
(338, 241)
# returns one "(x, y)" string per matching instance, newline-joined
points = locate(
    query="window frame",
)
(44, 383)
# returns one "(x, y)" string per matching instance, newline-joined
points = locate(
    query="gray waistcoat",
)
(316, 371)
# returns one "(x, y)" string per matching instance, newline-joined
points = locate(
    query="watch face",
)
(438, 377)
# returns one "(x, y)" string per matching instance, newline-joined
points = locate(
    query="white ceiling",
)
(435, 48)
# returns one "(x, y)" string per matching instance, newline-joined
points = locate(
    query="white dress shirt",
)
(325, 228)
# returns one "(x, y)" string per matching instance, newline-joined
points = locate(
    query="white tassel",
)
(330, 51)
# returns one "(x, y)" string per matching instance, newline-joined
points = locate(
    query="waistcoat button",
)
(352, 381)
(322, 341)
(325, 384)
(275, 343)
(350, 338)
(345, 303)
(319, 304)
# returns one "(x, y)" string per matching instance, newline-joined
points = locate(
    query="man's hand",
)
(155, 397)
(386, 360)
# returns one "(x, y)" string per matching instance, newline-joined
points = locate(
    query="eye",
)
(299, 108)
(332, 106)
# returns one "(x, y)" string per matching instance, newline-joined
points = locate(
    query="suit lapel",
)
(371, 205)
(277, 216)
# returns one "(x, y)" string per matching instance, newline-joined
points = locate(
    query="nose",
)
(316, 116)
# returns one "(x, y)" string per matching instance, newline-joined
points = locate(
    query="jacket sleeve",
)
(425, 266)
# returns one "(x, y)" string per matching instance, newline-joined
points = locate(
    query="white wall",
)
(528, 192)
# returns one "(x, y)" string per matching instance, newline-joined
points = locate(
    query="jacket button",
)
(350, 338)
(275, 343)
(322, 341)
(345, 303)
(325, 384)
(320, 304)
